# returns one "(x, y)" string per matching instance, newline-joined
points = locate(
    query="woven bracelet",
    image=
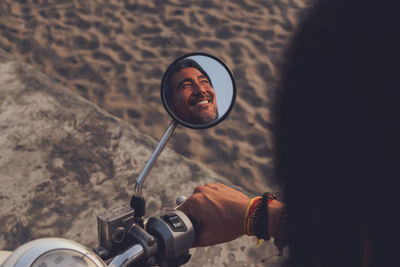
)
(261, 217)
(248, 217)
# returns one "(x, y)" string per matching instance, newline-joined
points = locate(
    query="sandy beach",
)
(114, 53)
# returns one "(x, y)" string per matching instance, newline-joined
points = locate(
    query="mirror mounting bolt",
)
(138, 204)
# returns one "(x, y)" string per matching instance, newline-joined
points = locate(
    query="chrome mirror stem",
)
(153, 158)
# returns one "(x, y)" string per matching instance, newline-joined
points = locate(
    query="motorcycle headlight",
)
(56, 252)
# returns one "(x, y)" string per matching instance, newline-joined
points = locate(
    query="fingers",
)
(217, 211)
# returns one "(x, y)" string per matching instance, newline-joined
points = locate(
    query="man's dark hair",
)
(177, 66)
(337, 135)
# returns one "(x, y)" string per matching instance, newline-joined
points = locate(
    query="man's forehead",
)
(185, 72)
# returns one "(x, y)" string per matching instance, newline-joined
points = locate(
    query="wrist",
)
(260, 216)
(266, 217)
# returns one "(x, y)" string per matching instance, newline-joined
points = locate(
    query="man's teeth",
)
(202, 102)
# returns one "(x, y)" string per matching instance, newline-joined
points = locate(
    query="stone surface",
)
(63, 160)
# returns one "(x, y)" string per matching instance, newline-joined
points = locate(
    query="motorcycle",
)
(198, 91)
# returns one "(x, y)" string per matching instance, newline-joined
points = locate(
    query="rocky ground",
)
(63, 161)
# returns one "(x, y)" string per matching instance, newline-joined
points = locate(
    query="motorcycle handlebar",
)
(131, 255)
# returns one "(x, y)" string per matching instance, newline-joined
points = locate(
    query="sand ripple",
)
(114, 54)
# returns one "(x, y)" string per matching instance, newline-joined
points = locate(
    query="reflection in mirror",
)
(198, 90)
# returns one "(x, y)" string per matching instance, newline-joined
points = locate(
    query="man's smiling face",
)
(193, 97)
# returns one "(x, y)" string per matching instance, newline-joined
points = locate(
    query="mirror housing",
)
(198, 90)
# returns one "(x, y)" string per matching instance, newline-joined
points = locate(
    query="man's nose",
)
(199, 88)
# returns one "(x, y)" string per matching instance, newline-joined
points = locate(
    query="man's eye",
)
(205, 81)
(185, 85)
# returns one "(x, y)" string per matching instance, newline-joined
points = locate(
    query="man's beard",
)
(204, 119)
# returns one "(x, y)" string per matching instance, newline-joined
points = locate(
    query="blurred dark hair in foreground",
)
(337, 135)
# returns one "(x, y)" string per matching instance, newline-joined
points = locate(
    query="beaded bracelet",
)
(281, 235)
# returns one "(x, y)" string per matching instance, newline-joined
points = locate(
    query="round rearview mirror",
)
(198, 90)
